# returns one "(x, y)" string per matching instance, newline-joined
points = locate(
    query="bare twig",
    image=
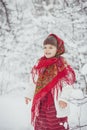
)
(6, 12)
(78, 102)
(76, 127)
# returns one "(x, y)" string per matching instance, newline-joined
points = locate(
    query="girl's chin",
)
(48, 56)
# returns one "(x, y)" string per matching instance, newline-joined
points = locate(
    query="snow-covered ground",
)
(14, 113)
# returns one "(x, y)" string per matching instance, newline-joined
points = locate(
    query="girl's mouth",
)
(48, 53)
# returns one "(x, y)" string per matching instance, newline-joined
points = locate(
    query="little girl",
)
(54, 77)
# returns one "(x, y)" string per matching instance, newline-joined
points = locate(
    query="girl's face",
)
(50, 50)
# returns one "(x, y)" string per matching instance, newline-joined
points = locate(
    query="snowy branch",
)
(78, 102)
(76, 127)
(6, 12)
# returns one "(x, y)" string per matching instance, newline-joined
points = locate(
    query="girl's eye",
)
(50, 47)
(44, 47)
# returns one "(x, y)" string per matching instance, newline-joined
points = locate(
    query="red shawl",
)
(65, 74)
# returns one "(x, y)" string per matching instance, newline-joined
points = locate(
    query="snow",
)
(77, 94)
(14, 113)
(84, 69)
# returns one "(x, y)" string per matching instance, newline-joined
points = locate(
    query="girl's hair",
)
(51, 40)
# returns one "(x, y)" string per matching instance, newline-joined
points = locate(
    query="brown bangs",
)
(51, 40)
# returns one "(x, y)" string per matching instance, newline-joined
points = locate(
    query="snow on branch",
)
(78, 102)
(84, 69)
(76, 127)
(6, 12)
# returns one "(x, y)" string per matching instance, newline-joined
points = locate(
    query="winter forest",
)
(24, 24)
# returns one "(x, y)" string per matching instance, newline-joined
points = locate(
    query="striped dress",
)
(47, 119)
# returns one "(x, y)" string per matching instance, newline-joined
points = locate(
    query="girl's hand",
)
(62, 104)
(27, 100)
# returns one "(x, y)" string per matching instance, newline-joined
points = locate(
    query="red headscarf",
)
(61, 48)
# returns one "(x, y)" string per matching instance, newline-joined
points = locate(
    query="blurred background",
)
(23, 27)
